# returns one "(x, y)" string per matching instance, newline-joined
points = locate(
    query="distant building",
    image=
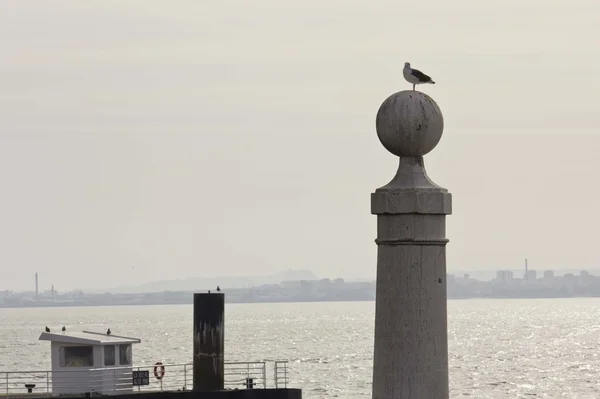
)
(531, 275)
(504, 275)
(549, 274)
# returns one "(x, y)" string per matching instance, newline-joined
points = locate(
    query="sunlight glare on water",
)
(545, 348)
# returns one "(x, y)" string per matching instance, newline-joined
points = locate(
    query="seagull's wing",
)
(420, 75)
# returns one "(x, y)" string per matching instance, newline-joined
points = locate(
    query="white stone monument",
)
(411, 337)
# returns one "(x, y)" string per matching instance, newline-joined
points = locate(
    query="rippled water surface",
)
(546, 348)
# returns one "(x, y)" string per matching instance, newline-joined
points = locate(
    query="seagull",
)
(47, 329)
(218, 288)
(64, 328)
(415, 76)
(108, 332)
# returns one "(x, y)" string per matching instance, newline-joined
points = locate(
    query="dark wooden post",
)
(209, 340)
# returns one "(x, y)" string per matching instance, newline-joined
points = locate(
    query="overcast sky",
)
(146, 140)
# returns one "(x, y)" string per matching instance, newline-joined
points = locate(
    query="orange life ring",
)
(159, 370)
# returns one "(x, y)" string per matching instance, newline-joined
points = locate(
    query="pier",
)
(89, 364)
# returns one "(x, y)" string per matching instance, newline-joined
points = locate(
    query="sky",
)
(149, 140)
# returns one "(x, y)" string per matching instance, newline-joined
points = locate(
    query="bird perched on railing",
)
(415, 76)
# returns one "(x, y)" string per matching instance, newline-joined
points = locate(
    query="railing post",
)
(185, 376)
(6, 384)
(47, 383)
(275, 377)
(139, 386)
(264, 371)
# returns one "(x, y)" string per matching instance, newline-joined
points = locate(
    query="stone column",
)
(411, 336)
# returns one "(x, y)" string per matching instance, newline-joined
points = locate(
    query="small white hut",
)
(90, 362)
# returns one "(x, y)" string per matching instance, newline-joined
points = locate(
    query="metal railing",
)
(115, 380)
(281, 373)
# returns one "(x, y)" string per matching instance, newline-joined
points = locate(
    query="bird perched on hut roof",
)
(415, 76)
(64, 329)
(47, 329)
(108, 332)
(218, 288)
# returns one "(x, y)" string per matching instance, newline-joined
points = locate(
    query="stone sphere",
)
(409, 123)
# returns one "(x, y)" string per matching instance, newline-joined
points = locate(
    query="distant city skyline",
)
(44, 281)
(285, 275)
(548, 284)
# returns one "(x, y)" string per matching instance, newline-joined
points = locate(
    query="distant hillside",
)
(200, 283)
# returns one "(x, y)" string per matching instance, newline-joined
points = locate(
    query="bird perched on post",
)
(415, 76)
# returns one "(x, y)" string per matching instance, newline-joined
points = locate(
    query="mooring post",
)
(209, 341)
(411, 338)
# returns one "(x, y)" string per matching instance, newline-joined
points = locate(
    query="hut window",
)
(76, 356)
(125, 354)
(109, 355)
